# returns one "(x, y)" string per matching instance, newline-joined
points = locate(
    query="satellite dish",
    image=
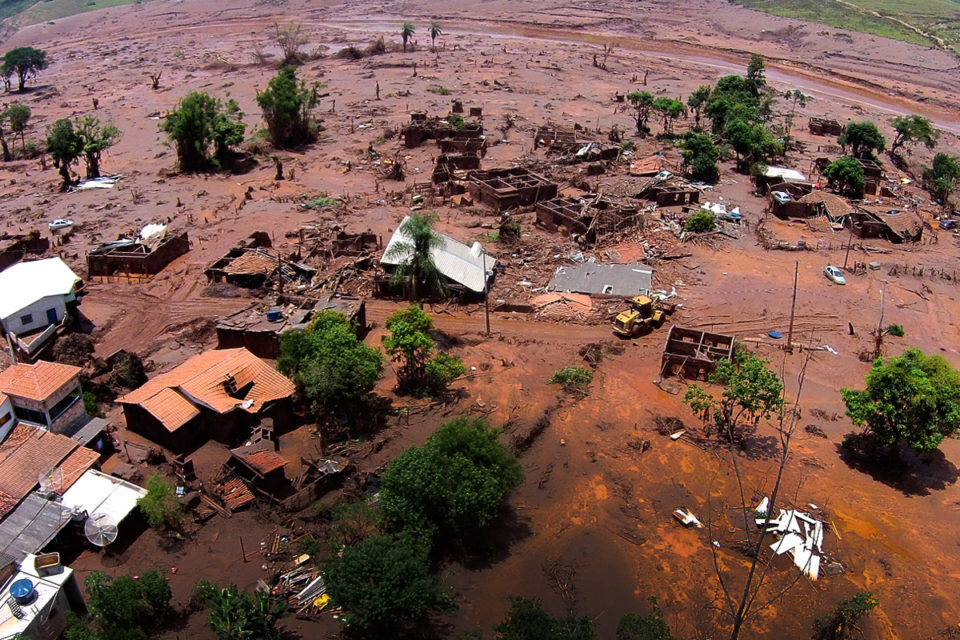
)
(100, 529)
(51, 481)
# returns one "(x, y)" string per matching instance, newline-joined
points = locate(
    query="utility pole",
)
(849, 242)
(486, 293)
(793, 306)
(883, 298)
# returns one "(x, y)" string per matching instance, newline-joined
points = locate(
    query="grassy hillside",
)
(926, 22)
(13, 7)
(53, 9)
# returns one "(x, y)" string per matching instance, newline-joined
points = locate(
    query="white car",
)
(781, 196)
(834, 275)
(664, 175)
(60, 223)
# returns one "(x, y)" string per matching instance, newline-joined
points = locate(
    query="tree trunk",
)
(6, 150)
(65, 174)
(93, 166)
(21, 78)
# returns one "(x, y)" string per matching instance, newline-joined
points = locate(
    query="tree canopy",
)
(120, 608)
(633, 626)
(912, 130)
(417, 267)
(846, 176)
(527, 620)
(287, 105)
(238, 615)
(454, 485)
(863, 138)
(943, 177)
(751, 142)
(201, 122)
(406, 32)
(96, 139)
(669, 109)
(24, 62)
(18, 115)
(697, 100)
(335, 371)
(700, 155)
(912, 399)
(384, 581)
(642, 101)
(65, 147)
(422, 370)
(751, 390)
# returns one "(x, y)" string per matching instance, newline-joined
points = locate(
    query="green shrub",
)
(572, 377)
(442, 370)
(895, 330)
(845, 619)
(456, 121)
(91, 406)
(701, 222)
(160, 506)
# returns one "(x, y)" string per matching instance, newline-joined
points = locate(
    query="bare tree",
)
(291, 39)
(155, 80)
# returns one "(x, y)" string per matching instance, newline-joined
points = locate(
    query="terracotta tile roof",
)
(25, 454)
(252, 262)
(75, 465)
(36, 381)
(200, 381)
(7, 503)
(262, 462)
(834, 204)
(235, 494)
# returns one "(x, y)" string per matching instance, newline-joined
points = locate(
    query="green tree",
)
(732, 97)
(700, 155)
(796, 98)
(18, 115)
(453, 486)
(697, 101)
(422, 370)
(844, 621)
(913, 129)
(862, 138)
(435, 32)
(527, 620)
(238, 615)
(751, 142)
(642, 101)
(846, 176)
(702, 221)
(120, 608)
(751, 391)
(414, 254)
(200, 122)
(406, 32)
(382, 582)
(65, 146)
(160, 506)
(24, 62)
(287, 106)
(95, 139)
(633, 626)
(334, 370)
(669, 109)
(914, 399)
(943, 177)
(756, 74)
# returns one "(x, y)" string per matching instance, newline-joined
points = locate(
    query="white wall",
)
(38, 311)
(7, 417)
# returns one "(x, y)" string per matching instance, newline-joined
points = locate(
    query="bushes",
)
(527, 620)
(120, 608)
(700, 155)
(160, 506)
(844, 621)
(702, 221)
(238, 615)
(422, 370)
(572, 378)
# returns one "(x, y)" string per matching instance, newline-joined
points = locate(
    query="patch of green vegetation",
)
(933, 21)
(442, 91)
(54, 9)
(572, 377)
(321, 203)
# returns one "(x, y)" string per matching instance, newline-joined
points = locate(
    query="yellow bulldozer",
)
(644, 316)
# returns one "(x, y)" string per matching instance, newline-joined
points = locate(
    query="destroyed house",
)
(825, 127)
(551, 136)
(45, 394)
(463, 266)
(215, 394)
(473, 145)
(14, 248)
(434, 128)
(259, 331)
(255, 267)
(777, 175)
(614, 280)
(587, 218)
(693, 354)
(671, 195)
(826, 204)
(133, 259)
(509, 188)
(448, 163)
(36, 298)
(892, 225)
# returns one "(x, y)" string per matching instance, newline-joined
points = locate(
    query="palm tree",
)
(405, 33)
(435, 31)
(413, 254)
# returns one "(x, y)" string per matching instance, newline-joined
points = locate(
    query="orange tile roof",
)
(200, 381)
(36, 381)
(25, 455)
(263, 462)
(74, 466)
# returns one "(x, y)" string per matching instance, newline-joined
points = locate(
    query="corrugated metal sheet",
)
(461, 263)
(97, 492)
(625, 280)
(32, 526)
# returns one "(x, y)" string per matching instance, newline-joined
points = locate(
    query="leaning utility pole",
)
(849, 242)
(486, 293)
(793, 306)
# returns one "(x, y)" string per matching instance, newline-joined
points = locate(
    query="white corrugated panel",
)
(97, 492)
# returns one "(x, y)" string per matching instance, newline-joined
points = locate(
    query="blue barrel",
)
(274, 315)
(22, 591)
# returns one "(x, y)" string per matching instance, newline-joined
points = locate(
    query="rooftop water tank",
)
(22, 591)
(274, 315)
